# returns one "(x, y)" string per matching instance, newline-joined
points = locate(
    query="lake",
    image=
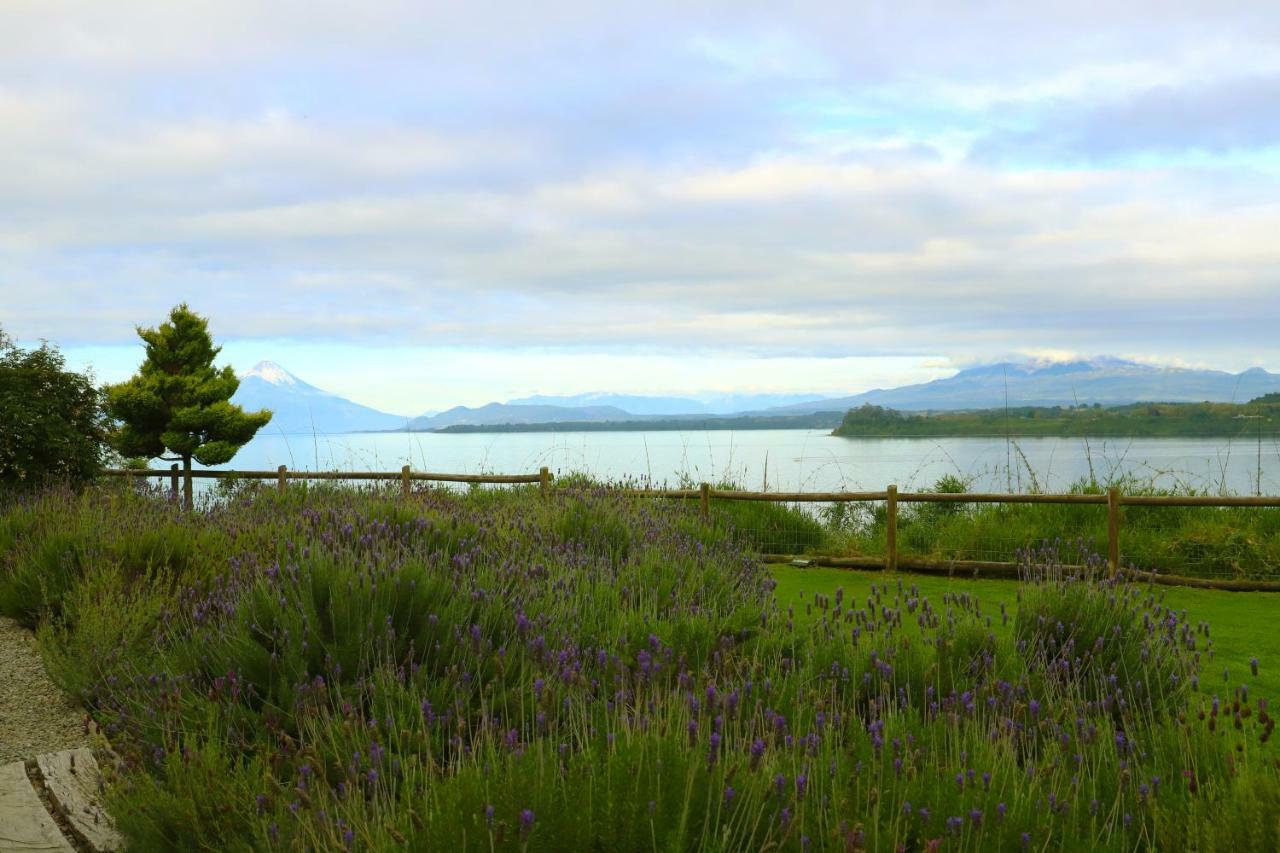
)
(791, 460)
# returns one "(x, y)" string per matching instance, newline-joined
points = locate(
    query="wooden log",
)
(330, 475)
(173, 480)
(1012, 571)
(793, 497)
(675, 494)
(983, 497)
(282, 478)
(963, 568)
(704, 492)
(404, 481)
(544, 481)
(74, 782)
(1200, 500)
(1224, 585)
(476, 478)
(869, 563)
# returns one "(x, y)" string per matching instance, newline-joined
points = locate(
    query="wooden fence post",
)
(705, 490)
(173, 480)
(544, 481)
(1113, 530)
(891, 529)
(281, 479)
(404, 481)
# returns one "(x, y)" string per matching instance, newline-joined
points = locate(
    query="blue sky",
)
(417, 205)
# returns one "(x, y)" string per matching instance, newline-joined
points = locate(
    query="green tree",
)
(179, 401)
(51, 421)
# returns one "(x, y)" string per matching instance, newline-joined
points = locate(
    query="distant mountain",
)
(304, 409)
(1108, 381)
(718, 404)
(503, 413)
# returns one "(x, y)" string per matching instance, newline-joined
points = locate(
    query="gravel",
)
(35, 716)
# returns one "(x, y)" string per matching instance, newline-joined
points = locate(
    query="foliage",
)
(342, 669)
(51, 421)
(178, 400)
(768, 527)
(1231, 542)
(1139, 419)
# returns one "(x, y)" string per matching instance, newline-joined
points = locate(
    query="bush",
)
(1105, 641)
(51, 420)
(330, 669)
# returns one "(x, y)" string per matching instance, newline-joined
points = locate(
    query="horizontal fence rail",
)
(284, 473)
(1113, 500)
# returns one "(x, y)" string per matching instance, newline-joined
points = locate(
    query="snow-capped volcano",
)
(300, 408)
(269, 371)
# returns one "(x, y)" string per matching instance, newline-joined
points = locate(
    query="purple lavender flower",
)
(757, 753)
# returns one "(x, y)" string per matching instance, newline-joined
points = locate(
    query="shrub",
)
(333, 669)
(1105, 640)
(52, 426)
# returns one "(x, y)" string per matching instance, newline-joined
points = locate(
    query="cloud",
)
(960, 179)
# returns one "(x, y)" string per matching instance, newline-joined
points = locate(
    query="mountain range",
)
(300, 408)
(1107, 381)
(303, 408)
(633, 404)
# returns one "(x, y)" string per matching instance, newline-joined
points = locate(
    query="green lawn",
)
(1243, 625)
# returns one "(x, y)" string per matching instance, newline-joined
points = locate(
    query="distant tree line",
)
(817, 420)
(1181, 420)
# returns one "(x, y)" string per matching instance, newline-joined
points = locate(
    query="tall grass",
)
(1233, 542)
(334, 668)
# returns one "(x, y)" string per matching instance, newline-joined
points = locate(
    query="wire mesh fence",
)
(1202, 541)
(1223, 539)
(774, 527)
(998, 532)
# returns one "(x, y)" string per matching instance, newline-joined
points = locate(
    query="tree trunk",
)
(187, 502)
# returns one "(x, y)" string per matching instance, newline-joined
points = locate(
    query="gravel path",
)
(35, 716)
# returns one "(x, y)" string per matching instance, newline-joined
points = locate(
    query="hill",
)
(303, 409)
(1106, 381)
(1181, 420)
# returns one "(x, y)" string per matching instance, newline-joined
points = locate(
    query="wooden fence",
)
(1113, 500)
(282, 475)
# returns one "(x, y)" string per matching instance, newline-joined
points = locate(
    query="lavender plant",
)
(343, 669)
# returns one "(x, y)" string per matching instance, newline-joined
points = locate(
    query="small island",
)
(1260, 416)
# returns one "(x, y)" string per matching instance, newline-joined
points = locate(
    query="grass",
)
(1243, 624)
(1228, 542)
(333, 668)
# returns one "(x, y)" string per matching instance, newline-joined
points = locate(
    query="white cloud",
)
(828, 183)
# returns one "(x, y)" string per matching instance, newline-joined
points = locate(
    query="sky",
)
(420, 204)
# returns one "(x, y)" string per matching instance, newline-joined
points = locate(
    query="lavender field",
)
(340, 669)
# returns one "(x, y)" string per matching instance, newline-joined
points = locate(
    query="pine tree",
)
(179, 401)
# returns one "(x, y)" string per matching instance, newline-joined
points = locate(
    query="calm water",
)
(799, 460)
